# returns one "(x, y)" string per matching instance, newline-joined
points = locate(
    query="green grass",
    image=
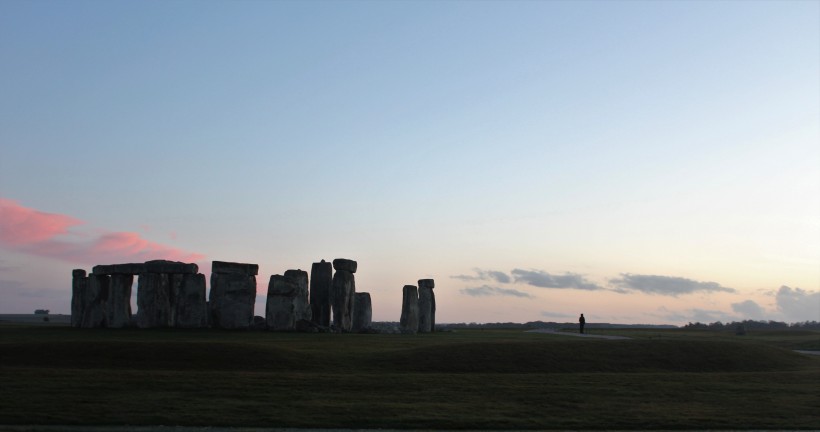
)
(462, 380)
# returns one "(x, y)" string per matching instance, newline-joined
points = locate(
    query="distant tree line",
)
(552, 325)
(748, 325)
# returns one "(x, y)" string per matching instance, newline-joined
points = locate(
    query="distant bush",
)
(740, 330)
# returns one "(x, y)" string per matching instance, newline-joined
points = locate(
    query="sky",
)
(637, 161)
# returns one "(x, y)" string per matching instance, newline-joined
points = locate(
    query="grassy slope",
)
(468, 379)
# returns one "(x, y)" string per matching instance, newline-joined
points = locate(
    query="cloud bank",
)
(542, 279)
(749, 309)
(31, 231)
(797, 304)
(664, 285)
(486, 290)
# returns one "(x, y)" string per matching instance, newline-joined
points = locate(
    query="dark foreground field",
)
(462, 380)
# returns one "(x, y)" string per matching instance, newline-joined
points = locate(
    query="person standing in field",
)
(581, 322)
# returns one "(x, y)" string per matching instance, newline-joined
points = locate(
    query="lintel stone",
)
(345, 265)
(235, 268)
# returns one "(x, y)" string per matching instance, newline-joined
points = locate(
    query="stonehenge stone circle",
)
(280, 309)
(362, 312)
(301, 302)
(427, 306)
(233, 294)
(321, 283)
(344, 290)
(409, 310)
(173, 294)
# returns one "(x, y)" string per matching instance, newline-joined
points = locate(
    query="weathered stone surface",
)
(118, 306)
(155, 266)
(341, 264)
(301, 303)
(321, 283)
(133, 269)
(171, 267)
(96, 295)
(410, 310)
(427, 306)
(190, 304)
(344, 290)
(362, 312)
(425, 309)
(433, 311)
(154, 300)
(79, 286)
(280, 313)
(234, 268)
(232, 295)
(427, 283)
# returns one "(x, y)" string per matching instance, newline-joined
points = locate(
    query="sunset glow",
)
(638, 162)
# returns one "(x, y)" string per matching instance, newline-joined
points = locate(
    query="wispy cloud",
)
(485, 275)
(798, 304)
(542, 279)
(664, 285)
(486, 290)
(31, 231)
(9, 286)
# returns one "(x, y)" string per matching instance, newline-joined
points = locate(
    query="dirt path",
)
(585, 335)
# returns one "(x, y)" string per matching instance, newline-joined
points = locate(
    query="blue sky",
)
(592, 142)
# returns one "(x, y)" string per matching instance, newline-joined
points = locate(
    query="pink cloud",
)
(22, 225)
(128, 244)
(27, 230)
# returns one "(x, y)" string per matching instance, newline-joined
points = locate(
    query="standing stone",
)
(427, 306)
(410, 310)
(344, 290)
(154, 300)
(95, 297)
(280, 309)
(190, 303)
(79, 286)
(321, 283)
(233, 294)
(118, 307)
(362, 312)
(301, 303)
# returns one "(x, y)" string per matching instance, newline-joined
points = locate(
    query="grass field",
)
(475, 379)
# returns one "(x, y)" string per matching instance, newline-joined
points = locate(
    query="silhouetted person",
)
(581, 322)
